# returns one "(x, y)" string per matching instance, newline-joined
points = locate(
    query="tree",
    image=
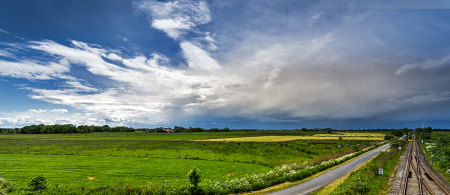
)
(226, 129)
(405, 131)
(397, 132)
(428, 130)
(194, 178)
(388, 137)
(419, 130)
(179, 129)
(106, 128)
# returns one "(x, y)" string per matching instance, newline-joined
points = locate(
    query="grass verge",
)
(293, 183)
(365, 180)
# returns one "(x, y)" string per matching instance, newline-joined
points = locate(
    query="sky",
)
(257, 64)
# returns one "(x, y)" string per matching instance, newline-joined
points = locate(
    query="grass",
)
(288, 172)
(325, 190)
(332, 186)
(92, 171)
(271, 154)
(139, 158)
(365, 180)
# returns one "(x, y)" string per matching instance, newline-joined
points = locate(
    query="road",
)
(329, 177)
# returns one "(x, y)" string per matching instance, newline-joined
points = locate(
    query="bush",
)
(38, 183)
(5, 185)
(396, 143)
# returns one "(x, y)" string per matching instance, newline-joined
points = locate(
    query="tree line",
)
(70, 129)
(66, 129)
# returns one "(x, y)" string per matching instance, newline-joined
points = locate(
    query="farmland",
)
(337, 136)
(97, 160)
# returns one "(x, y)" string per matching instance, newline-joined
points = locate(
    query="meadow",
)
(137, 158)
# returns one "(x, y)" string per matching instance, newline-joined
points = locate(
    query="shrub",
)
(396, 143)
(38, 183)
(6, 186)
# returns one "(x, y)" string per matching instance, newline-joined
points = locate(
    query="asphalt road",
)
(329, 177)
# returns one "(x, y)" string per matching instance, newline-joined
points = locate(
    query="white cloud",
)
(176, 16)
(6, 53)
(267, 82)
(334, 73)
(4, 31)
(198, 59)
(48, 117)
(77, 86)
(211, 42)
(150, 91)
(59, 111)
(49, 111)
(37, 111)
(124, 39)
(313, 19)
(33, 70)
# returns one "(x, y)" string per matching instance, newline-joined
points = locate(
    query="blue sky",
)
(238, 64)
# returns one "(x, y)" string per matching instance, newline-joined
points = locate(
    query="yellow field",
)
(345, 136)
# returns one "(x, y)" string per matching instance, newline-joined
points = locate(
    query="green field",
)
(437, 143)
(73, 170)
(137, 159)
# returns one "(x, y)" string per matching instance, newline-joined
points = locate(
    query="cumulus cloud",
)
(175, 17)
(149, 87)
(54, 116)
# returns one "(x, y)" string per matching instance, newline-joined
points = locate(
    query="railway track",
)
(417, 180)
